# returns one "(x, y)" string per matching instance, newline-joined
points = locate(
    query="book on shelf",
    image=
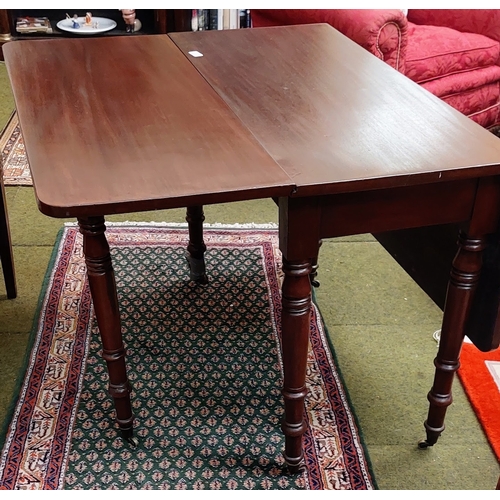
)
(215, 19)
(203, 19)
(225, 18)
(218, 19)
(33, 25)
(234, 19)
(245, 18)
(194, 20)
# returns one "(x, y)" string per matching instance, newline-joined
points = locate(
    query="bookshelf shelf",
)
(154, 21)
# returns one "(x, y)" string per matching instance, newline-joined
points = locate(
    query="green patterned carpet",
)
(205, 367)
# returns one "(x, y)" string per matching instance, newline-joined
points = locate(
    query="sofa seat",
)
(475, 94)
(436, 52)
(459, 68)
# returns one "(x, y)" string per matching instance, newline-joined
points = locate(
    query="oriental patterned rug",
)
(205, 367)
(16, 170)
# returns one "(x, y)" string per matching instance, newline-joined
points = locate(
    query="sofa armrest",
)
(481, 21)
(383, 32)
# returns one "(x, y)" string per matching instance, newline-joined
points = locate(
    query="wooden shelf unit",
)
(154, 21)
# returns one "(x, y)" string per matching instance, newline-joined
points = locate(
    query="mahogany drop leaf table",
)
(302, 114)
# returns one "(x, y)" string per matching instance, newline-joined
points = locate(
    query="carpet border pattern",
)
(16, 170)
(37, 443)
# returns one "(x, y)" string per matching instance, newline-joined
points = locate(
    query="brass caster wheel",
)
(128, 435)
(202, 280)
(197, 270)
(424, 444)
(133, 441)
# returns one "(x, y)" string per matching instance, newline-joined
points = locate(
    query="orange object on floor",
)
(477, 374)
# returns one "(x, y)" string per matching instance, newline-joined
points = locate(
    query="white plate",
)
(104, 24)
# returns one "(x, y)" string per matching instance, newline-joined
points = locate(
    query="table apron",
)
(397, 208)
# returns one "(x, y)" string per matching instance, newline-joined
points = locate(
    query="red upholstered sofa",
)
(455, 54)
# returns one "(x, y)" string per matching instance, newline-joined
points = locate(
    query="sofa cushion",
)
(476, 93)
(481, 104)
(488, 118)
(434, 52)
(462, 82)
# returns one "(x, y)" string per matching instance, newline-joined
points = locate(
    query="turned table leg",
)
(6, 255)
(296, 301)
(196, 247)
(299, 234)
(464, 278)
(103, 290)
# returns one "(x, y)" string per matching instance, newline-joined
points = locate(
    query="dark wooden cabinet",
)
(154, 21)
(5, 35)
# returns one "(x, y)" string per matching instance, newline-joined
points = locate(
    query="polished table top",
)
(120, 124)
(336, 118)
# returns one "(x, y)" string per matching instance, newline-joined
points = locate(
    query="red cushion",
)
(475, 103)
(488, 117)
(475, 93)
(462, 82)
(434, 52)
